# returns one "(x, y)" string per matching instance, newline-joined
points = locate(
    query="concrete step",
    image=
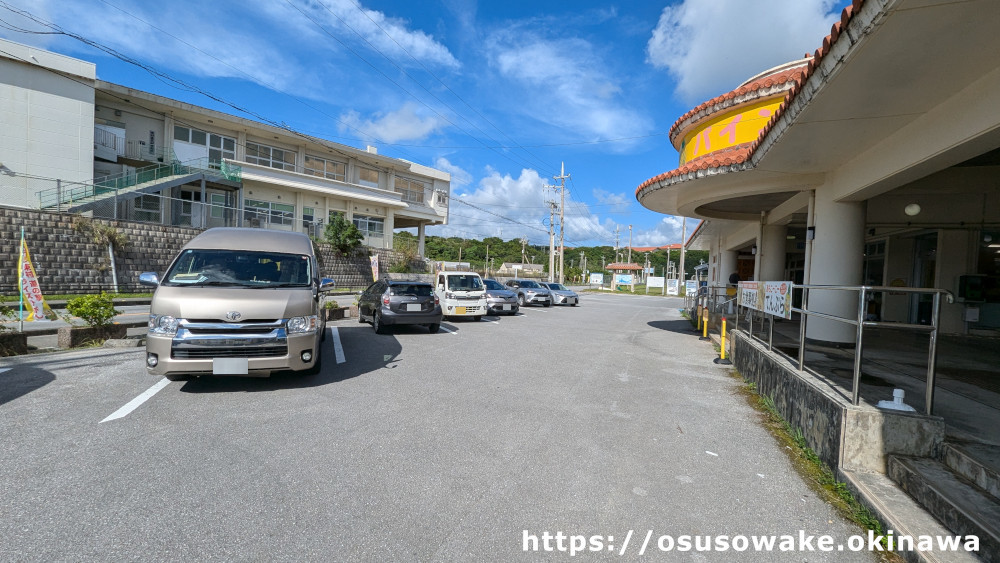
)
(979, 463)
(961, 506)
(900, 513)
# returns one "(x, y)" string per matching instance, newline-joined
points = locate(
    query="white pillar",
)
(771, 253)
(837, 259)
(727, 265)
(420, 239)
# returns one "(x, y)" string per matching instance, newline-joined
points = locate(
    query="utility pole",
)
(617, 229)
(524, 241)
(630, 244)
(562, 213)
(552, 248)
(680, 265)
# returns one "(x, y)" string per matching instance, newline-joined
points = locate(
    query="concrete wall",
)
(857, 438)
(47, 120)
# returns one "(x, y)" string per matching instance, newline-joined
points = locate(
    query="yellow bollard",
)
(704, 324)
(722, 340)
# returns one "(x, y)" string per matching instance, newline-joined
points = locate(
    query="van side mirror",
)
(326, 284)
(149, 278)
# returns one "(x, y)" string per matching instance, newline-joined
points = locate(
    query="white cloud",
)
(566, 83)
(389, 35)
(711, 47)
(667, 231)
(459, 176)
(404, 124)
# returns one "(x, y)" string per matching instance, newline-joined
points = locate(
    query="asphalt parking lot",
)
(608, 419)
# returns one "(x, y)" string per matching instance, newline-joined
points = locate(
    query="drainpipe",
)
(114, 271)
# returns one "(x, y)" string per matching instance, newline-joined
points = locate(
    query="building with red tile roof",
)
(873, 160)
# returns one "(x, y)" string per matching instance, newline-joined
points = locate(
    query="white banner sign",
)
(750, 297)
(673, 286)
(690, 287)
(654, 282)
(773, 298)
(778, 299)
(596, 279)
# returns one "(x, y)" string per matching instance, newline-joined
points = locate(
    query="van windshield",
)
(239, 268)
(464, 282)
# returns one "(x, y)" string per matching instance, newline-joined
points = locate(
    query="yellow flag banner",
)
(374, 261)
(31, 293)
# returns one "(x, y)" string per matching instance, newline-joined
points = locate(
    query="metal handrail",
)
(860, 323)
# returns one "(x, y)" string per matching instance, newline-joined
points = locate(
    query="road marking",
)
(446, 329)
(5, 369)
(134, 403)
(338, 348)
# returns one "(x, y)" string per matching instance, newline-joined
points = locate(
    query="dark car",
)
(396, 302)
(530, 292)
(499, 299)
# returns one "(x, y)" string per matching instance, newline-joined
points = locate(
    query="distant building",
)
(521, 270)
(73, 143)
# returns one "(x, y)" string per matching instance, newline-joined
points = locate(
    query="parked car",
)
(237, 302)
(530, 292)
(461, 294)
(499, 299)
(562, 295)
(397, 302)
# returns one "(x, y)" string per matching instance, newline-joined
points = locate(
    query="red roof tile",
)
(741, 153)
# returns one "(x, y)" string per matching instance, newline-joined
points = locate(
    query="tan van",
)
(237, 302)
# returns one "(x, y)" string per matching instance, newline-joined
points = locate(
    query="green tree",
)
(95, 310)
(343, 235)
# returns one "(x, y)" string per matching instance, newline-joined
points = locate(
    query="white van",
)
(462, 294)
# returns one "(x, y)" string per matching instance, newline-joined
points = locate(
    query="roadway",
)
(608, 420)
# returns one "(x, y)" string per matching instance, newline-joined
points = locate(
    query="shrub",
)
(95, 310)
(343, 235)
(331, 304)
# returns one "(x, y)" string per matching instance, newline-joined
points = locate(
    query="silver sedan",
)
(562, 295)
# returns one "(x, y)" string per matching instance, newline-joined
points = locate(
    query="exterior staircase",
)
(77, 198)
(960, 488)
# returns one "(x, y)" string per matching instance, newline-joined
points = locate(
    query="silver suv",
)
(530, 292)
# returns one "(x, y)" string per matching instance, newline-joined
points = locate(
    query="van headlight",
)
(302, 324)
(162, 324)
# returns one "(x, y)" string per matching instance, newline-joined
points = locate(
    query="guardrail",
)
(860, 322)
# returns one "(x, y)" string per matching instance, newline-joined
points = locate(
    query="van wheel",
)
(477, 318)
(433, 327)
(377, 323)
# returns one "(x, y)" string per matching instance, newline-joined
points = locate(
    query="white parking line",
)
(134, 403)
(338, 348)
(5, 369)
(446, 329)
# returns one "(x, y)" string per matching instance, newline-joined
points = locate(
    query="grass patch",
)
(816, 473)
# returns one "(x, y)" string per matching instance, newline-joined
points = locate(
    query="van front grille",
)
(238, 352)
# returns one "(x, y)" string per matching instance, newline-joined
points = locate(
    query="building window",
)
(272, 157)
(218, 205)
(323, 168)
(369, 226)
(220, 147)
(442, 198)
(368, 177)
(412, 190)
(268, 212)
(147, 208)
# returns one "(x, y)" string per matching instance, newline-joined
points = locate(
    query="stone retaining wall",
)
(67, 261)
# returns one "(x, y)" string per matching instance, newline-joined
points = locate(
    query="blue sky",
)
(497, 93)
